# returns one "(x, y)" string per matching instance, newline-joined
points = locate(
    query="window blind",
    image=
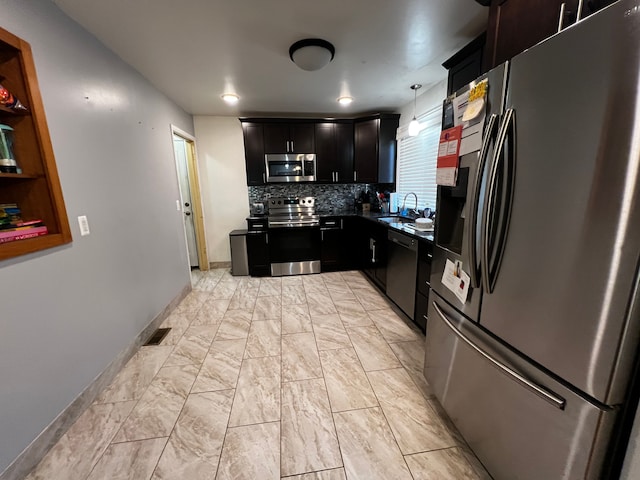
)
(417, 156)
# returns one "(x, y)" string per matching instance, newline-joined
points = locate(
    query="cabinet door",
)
(302, 138)
(366, 151)
(258, 254)
(332, 248)
(515, 25)
(381, 234)
(254, 153)
(344, 152)
(326, 152)
(387, 148)
(276, 138)
(422, 307)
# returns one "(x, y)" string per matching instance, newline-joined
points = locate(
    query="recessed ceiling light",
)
(230, 98)
(345, 100)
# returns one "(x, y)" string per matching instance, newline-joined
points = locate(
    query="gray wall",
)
(65, 313)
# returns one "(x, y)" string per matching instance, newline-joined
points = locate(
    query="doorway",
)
(190, 202)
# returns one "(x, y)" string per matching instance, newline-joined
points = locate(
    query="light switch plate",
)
(84, 225)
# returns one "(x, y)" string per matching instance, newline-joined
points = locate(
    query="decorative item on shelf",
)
(9, 100)
(7, 160)
(414, 126)
(311, 53)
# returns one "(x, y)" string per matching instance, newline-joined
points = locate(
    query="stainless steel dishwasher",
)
(402, 267)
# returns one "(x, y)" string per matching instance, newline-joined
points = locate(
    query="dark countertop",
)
(374, 217)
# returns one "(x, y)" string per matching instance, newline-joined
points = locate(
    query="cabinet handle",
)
(264, 178)
(266, 238)
(291, 146)
(373, 253)
(579, 14)
(355, 175)
(287, 147)
(322, 235)
(563, 6)
(337, 176)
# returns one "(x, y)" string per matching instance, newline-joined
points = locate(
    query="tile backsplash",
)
(329, 197)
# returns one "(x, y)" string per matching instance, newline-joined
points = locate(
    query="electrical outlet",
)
(178, 205)
(84, 225)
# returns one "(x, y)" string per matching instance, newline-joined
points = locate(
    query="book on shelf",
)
(20, 225)
(22, 234)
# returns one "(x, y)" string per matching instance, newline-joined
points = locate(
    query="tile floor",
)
(306, 377)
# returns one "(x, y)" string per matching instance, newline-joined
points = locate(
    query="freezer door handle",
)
(474, 274)
(542, 392)
(498, 201)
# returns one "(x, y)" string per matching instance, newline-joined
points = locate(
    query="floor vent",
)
(158, 336)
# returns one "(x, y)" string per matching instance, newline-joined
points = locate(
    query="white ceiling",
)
(195, 50)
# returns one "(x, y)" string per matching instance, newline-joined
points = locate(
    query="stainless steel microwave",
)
(291, 167)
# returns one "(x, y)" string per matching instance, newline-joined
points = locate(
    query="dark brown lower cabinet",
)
(258, 254)
(425, 254)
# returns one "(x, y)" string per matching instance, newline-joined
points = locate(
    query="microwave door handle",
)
(539, 390)
(472, 246)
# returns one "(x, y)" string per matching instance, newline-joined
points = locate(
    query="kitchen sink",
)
(396, 219)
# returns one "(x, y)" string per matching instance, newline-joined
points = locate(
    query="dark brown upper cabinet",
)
(289, 138)
(466, 64)
(515, 25)
(359, 150)
(334, 151)
(253, 134)
(375, 148)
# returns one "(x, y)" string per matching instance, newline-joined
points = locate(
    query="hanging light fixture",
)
(414, 126)
(311, 53)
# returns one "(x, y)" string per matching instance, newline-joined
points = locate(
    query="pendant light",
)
(414, 126)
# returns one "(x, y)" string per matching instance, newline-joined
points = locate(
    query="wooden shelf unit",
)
(37, 189)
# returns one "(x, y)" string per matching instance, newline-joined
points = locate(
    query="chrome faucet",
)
(415, 210)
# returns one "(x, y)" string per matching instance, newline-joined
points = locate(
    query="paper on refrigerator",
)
(448, 156)
(456, 280)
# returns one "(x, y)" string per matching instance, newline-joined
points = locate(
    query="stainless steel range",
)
(293, 212)
(294, 236)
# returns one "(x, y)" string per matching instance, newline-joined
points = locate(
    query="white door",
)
(180, 147)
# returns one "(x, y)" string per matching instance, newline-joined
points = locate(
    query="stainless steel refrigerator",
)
(536, 367)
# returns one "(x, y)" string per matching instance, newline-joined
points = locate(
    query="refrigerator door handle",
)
(540, 391)
(493, 248)
(474, 274)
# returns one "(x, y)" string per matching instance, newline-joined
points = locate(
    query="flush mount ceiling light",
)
(311, 53)
(414, 126)
(345, 100)
(230, 98)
